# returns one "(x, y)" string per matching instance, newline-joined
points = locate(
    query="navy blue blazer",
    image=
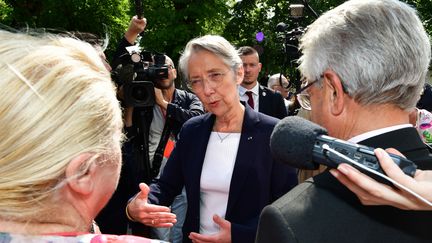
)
(257, 180)
(271, 103)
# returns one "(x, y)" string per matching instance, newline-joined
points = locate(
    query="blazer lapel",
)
(263, 101)
(244, 158)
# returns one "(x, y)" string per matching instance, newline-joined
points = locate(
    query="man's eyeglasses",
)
(214, 80)
(304, 98)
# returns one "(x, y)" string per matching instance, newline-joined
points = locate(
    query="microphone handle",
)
(138, 9)
(359, 153)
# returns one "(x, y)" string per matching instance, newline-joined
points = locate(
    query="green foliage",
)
(94, 16)
(171, 23)
(424, 7)
(5, 12)
(251, 16)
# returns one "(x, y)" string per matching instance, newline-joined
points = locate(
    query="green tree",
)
(424, 7)
(172, 23)
(252, 16)
(94, 16)
(5, 12)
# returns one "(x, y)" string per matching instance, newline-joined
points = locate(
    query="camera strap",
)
(159, 153)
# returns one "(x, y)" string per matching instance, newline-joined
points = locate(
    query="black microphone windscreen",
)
(292, 142)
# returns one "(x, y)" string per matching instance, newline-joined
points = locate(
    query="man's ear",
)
(80, 175)
(335, 91)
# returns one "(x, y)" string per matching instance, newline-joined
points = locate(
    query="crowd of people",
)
(196, 166)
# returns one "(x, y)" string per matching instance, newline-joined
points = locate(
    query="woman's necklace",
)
(222, 138)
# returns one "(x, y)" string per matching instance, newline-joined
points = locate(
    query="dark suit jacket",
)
(271, 103)
(323, 210)
(256, 181)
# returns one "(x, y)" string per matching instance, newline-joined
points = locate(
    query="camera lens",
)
(139, 94)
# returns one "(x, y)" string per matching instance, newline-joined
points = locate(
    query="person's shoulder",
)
(321, 188)
(269, 91)
(265, 88)
(182, 92)
(266, 119)
(185, 93)
(197, 120)
(296, 196)
(261, 118)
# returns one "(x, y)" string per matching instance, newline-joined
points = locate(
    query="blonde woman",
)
(60, 142)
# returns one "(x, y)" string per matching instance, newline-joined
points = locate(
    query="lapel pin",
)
(264, 93)
(249, 138)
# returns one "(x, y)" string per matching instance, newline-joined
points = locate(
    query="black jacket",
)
(323, 210)
(271, 103)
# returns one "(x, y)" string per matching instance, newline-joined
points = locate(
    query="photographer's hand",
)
(136, 26)
(160, 100)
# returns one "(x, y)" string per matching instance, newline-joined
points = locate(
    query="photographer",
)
(151, 133)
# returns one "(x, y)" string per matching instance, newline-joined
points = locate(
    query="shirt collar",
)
(255, 89)
(373, 133)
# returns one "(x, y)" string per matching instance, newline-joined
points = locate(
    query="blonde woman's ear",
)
(79, 174)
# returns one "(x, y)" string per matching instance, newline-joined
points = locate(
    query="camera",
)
(290, 40)
(290, 43)
(291, 37)
(139, 72)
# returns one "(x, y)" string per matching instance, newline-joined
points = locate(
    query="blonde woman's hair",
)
(56, 101)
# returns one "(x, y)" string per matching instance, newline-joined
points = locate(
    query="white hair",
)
(275, 80)
(214, 44)
(379, 49)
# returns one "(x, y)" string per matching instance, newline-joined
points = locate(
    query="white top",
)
(216, 176)
(376, 132)
(255, 94)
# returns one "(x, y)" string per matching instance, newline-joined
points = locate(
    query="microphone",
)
(305, 145)
(138, 9)
(302, 144)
